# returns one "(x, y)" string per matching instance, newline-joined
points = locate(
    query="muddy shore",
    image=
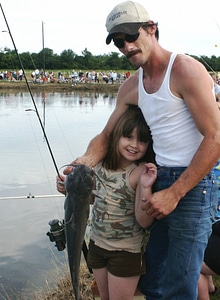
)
(59, 87)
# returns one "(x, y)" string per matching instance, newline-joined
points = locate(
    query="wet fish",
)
(79, 185)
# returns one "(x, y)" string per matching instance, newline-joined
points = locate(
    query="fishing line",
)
(207, 64)
(30, 92)
(41, 156)
(49, 185)
(62, 132)
(217, 24)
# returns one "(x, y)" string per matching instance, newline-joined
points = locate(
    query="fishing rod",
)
(30, 92)
(30, 196)
(207, 64)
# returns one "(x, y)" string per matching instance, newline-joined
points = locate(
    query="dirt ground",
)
(21, 85)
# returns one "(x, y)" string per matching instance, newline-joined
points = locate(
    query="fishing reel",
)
(57, 234)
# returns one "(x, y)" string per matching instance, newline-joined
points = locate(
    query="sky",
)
(189, 26)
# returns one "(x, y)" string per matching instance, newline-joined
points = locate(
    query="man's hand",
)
(83, 160)
(160, 204)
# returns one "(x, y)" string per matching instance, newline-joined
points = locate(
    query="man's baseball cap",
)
(126, 17)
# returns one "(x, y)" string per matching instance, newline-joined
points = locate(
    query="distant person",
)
(119, 78)
(127, 74)
(174, 92)
(216, 87)
(20, 74)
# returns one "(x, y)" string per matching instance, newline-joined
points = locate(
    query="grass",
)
(217, 283)
(64, 291)
(58, 285)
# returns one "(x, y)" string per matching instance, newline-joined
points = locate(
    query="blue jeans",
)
(177, 242)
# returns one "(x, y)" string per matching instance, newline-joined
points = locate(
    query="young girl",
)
(115, 253)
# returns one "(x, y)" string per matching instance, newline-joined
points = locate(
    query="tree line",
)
(68, 59)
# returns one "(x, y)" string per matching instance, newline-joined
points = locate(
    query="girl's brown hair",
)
(131, 119)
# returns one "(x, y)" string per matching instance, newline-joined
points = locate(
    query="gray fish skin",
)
(79, 185)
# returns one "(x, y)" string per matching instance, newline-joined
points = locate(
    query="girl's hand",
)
(60, 184)
(148, 176)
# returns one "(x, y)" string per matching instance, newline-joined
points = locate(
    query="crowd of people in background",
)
(74, 77)
(11, 75)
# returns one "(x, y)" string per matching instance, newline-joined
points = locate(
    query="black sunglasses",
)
(120, 43)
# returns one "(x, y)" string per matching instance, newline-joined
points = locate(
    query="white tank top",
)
(175, 135)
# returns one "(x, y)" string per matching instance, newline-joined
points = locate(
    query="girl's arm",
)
(143, 191)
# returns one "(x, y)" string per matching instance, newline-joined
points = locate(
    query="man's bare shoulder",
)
(185, 63)
(187, 72)
(128, 91)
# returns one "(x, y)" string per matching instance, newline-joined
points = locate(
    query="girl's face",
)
(131, 149)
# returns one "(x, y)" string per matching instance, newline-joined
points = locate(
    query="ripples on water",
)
(71, 119)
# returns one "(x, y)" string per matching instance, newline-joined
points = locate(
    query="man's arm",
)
(191, 82)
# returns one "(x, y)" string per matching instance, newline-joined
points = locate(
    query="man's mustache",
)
(131, 53)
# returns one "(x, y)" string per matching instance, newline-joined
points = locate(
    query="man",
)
(175, 95)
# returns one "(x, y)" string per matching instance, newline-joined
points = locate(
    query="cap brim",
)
(127, 28)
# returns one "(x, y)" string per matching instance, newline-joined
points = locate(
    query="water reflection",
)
(71, 119)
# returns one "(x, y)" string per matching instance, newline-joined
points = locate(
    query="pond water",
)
(28, 196)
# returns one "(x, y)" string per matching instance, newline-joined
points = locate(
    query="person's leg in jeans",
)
(150, 284)
(189, 227)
